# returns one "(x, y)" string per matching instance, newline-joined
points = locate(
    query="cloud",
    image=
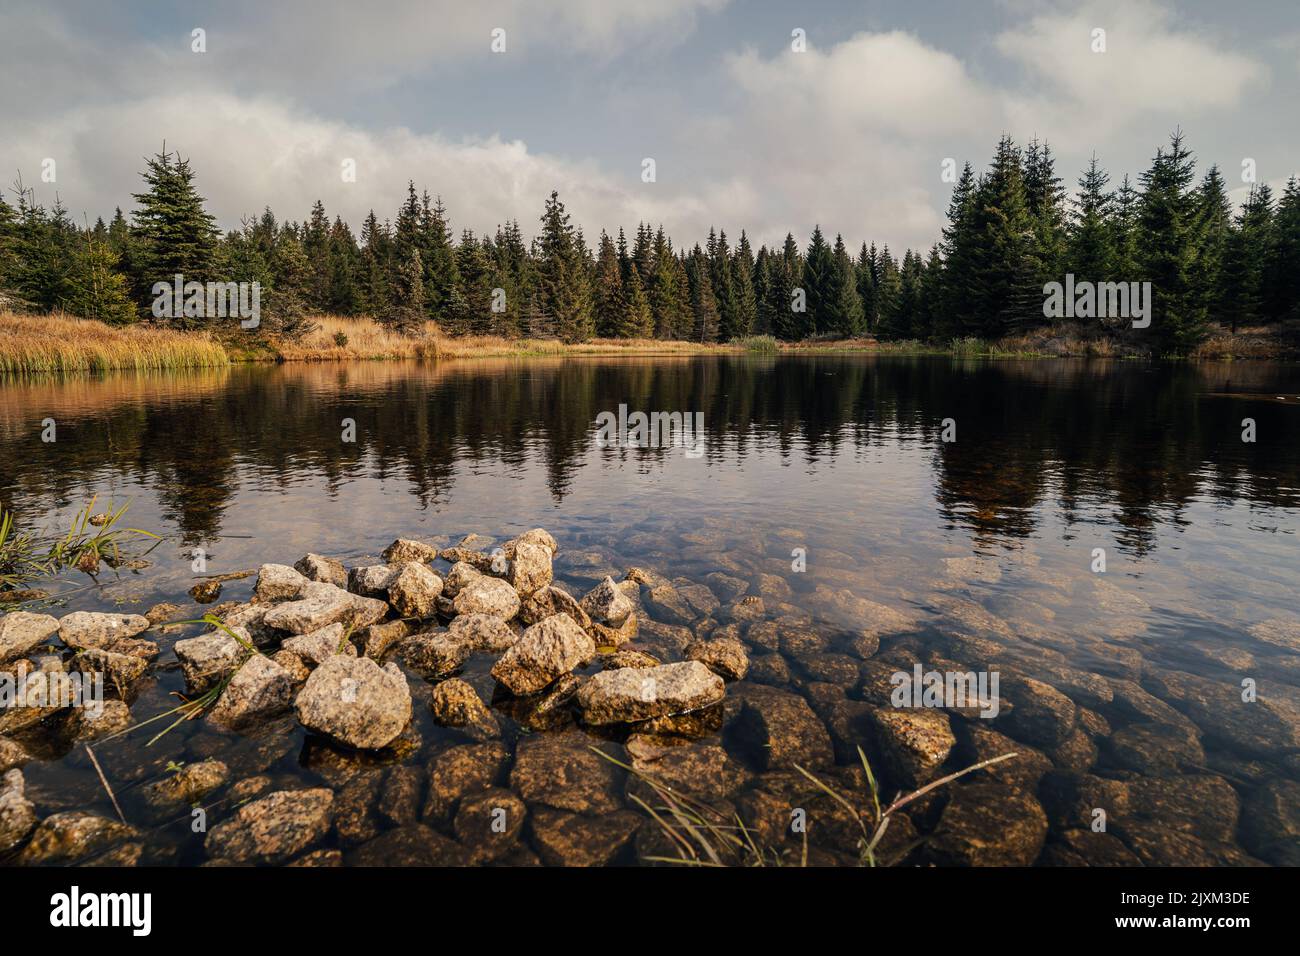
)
(1151, 67)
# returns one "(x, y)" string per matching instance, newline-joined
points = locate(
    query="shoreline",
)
(40, 344)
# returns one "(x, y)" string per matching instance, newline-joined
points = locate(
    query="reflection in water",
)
(1145, 440)
(982, 546)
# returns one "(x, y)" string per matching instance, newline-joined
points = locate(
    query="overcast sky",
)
(745, 132)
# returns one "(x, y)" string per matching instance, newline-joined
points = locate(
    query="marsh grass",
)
(758, 343)
(703, 837)
(25, 556)
(42, 344)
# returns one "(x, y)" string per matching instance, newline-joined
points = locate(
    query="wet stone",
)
(483, 632)
(1087, 848)
(317, 567)
(278, 582)
(642, 693)
(414, 591)
(205, 592)
(980, 742)
(109, 632)
(627, 658)
(260, 688)
(1270, 822)
(1150, 748)
(372, 580)
(456, 704)
(356, 702)
(405, 549)
(1042, 714)
(400, 796)
(1070, 798)
(322, 605)
(274, 828)
(545, 651)
(318, 646)
(22, 632)
(185, 787)
(435, 653)
(486, 595)
(530, 568)
(356, 813)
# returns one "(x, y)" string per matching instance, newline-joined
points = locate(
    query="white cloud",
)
(1151, 65)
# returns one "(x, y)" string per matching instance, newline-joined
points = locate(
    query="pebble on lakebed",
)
(447, 683)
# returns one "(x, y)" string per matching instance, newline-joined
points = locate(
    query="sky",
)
(746, 132)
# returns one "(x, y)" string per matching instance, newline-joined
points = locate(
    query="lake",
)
(1163, 691)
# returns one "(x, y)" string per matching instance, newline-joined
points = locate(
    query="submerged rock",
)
(73, 835)
(22, 632)
(781, 730)
(988, 824)
(1270, 825)
(187, 786)
(641, 693)
(458, 771)
(205, 592)
(17, 813)
(412, 845)
(356, 702)
(547, 650)
(560, 770)
(488, 824)
(914, 741)
(274, 828)
(93, 724)
(1155, 749)
(12, 754)
(571, 839)
(1042, 714)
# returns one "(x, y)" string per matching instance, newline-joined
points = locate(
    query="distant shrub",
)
(341, 339)
(758, 343)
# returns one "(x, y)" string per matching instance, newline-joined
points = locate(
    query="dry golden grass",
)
(363, 338)
(60, 343)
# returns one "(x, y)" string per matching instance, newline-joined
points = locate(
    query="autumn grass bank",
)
(56, 343)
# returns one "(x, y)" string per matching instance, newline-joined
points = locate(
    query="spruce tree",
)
(864, 280)
(172, 231)
(98, 290)
(1213, 226)
(1092, 240)
(744, 298)
(1168, 248)
(1282, 259)
(564, 297)
(608, 288)
(704, 308)
(820, 285)
(1242, 302)
(636, 321)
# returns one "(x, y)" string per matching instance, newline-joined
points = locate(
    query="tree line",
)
(1010, 229)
